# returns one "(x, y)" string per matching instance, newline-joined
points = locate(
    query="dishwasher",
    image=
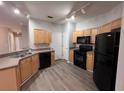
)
(45, 60)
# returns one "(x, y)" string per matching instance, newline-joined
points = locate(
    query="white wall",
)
(56, 35)
(120, 68)
(4, 46)
(57, 40)
(24, 39)
(99, 20)
(69, 27)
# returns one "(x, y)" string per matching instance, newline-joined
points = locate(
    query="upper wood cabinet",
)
(105, 28)
(48, 37)
(87, 32)
(116, 23)
(38, 36)
(94, 32)
(75, 35)
(42, 36)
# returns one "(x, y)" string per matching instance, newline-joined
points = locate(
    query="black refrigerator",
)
(105, 61)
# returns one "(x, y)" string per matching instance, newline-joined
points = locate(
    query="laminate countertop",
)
(11, 61)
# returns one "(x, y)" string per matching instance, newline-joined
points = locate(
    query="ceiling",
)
(57, 9)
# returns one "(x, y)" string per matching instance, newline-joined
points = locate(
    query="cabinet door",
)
(39, 36)
(75, 35)
(48, 37)
(25, 67)
(71, 56)
(116, 23)
(105, 28)
(90, 62)
(35, 63)
(94, 32)
(18, 75)
(8, 81)
(87, 32)
(53, 57)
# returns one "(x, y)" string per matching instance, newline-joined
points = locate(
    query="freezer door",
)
(105, 43)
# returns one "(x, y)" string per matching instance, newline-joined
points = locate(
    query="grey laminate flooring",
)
(61, 77)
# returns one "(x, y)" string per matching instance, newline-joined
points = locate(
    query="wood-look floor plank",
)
(61, 77)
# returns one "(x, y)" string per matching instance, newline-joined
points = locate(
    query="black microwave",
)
(83, 40)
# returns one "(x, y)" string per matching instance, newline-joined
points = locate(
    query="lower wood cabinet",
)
(71, 56)
(8, 79)
(13, 78)
(25, 68)
(90, 61)
(53, 57)
(35, 63)
(18, 75)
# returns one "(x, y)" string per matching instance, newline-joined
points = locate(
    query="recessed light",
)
(28, 16)
(16, 11)
(1, 2)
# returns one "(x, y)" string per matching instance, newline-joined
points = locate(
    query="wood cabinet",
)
(38, 36)
(116, 23)
(94, 32)
(25, 68)
(87, 32)
(48, 37)
(13, 78)
(105, 28)
(18, 76)
(71, 56)
(90, 61)
(35, 63)
(8, 80)
(53, 57)
(75, 35)
(42, 36)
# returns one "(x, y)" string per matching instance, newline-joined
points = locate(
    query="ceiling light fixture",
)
(1, 2)
(83, 11)
(73, 17)
(80, 9)
(16, 11)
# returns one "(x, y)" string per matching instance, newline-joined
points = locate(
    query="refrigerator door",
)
(105, 43)
(103, 72)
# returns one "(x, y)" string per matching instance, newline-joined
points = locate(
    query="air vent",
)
(50, 17)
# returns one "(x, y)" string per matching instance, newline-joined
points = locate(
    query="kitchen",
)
(37, 39)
